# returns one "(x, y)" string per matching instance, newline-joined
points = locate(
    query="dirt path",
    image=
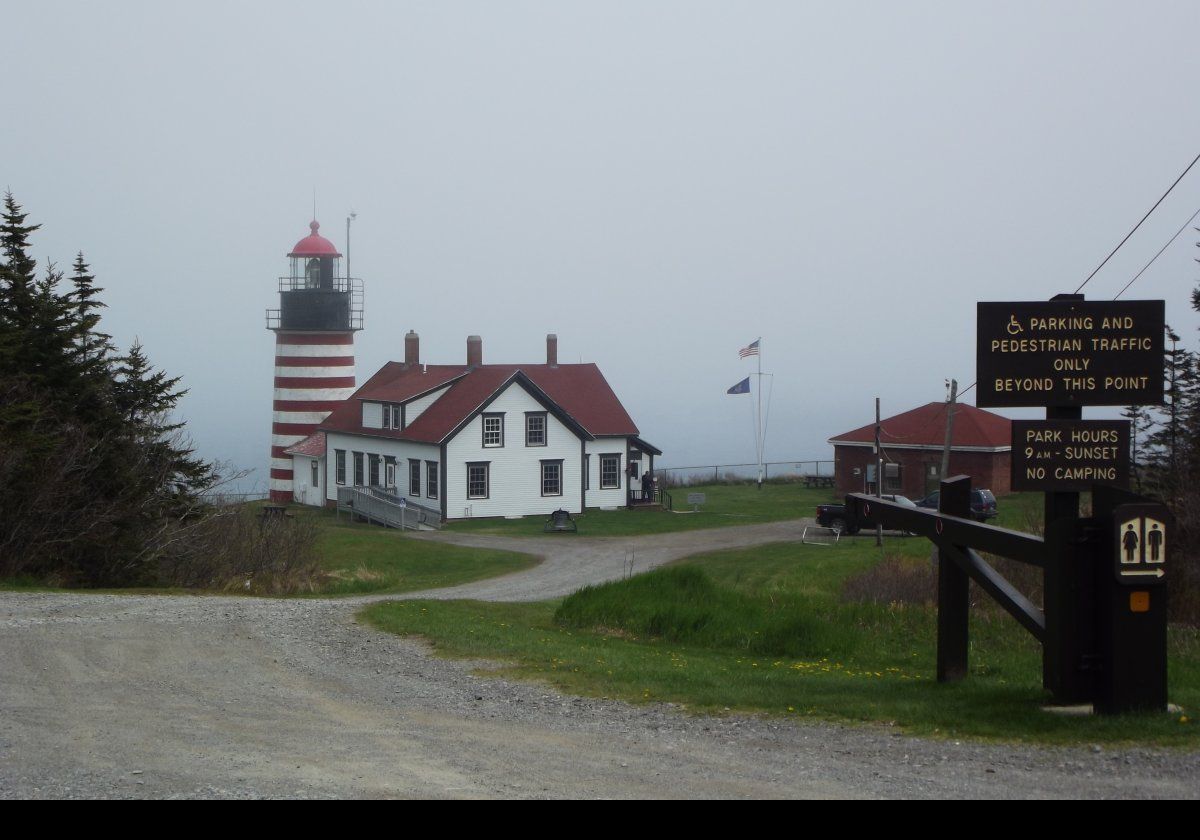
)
(163, 696)
(570, 562)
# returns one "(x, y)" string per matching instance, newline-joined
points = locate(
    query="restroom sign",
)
(1140, 550)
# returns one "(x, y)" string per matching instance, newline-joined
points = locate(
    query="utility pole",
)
(949, 430)
(878, 473)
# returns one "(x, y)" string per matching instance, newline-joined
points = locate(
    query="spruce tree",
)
(92, 469)
(1168, 445)
(1140, 422)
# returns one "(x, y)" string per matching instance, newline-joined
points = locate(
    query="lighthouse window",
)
(414, 477)
(552, 478)
(312, 274)
(339, 474)
(493, 430)
(431, 479)
(392, 418)
(610, 472)
(477, 480)
(535, 428)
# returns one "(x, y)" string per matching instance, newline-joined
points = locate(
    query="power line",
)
(1126, 239)
(1139, 224)
(1156, 256)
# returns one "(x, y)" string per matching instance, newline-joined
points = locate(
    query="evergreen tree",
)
(145, 397)
(17, 272)
(1168, 445)
(1140, 422)
(92, 470)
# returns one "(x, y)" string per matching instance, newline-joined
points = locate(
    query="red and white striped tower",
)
(319, 312)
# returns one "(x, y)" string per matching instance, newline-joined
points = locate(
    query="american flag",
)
(749, 350)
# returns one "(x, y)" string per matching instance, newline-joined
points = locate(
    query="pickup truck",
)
(834, 516)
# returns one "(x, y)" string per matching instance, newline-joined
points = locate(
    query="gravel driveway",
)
(168, 696)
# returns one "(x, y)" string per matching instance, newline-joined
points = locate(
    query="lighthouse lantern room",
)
(319, 312)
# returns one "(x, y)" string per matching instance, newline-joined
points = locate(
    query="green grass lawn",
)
(766, 630)
(725, 505)
(361, 558)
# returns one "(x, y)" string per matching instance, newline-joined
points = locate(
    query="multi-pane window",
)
(477, 481)
(339, 473)
(891, 478)
(358, 469)
(552, 478)
(535, 428)
(493, 430)
(610, 472)
(373, 462)
(431, 479)
(414, 477)
(391, 416)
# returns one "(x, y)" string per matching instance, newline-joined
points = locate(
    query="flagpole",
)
(759, 427)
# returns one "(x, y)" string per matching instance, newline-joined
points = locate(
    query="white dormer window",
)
(392, 417)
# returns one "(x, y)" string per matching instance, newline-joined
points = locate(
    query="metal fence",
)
(376, 505)
(717, 473)
(223, 499)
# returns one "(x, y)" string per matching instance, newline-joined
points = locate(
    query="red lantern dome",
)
(314, 245)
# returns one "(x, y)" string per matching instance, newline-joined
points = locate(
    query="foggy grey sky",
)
(657, 183)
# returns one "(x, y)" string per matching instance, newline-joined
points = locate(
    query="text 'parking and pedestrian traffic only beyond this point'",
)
(1070, 353)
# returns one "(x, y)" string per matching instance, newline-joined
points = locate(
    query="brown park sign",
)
(1070, 353)
(1069, 455)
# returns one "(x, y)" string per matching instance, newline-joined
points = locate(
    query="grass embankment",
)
(725, 505)
(358, 559)
(767, 630)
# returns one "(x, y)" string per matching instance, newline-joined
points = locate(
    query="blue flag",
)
(742, 387)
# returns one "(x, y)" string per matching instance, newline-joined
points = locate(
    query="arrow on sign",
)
(1155, 573)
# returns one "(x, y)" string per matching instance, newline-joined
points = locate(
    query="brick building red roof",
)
(579, 394)
(974, 428)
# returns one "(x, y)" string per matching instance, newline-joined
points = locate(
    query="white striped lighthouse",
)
(319, 312)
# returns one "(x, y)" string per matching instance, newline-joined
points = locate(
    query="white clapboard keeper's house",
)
(476, 440)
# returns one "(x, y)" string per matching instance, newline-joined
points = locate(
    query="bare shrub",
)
(905, 580)
(1184, 569)
(894, 580)
(235, 549)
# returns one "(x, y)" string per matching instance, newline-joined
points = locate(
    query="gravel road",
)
(168, 697)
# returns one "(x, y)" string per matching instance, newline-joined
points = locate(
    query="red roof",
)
(926, 426)
(579, 393)
(314, 245)
(313, 446)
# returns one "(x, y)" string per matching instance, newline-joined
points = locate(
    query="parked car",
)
(834, 516)
(983, 503)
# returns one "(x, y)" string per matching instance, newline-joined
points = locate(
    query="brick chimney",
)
(552, 350)
(412, 349)
(474, 351)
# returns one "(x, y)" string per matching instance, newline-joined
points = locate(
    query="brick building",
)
(912, 445)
